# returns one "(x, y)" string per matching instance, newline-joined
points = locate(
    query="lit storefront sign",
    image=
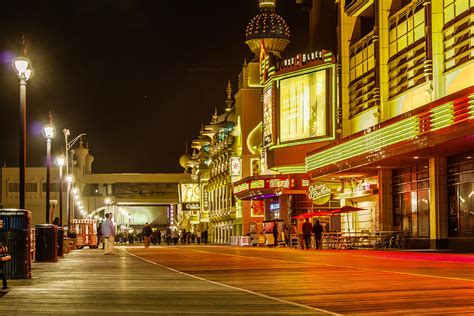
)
(304, 106)
(267, 117)
(257, 184)
(319, 193)
(279, 183)
(235, 167)
(241, 187)
(275, 207)
(266, 186)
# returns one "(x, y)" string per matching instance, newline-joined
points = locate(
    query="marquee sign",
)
(190, 206)
(319, 193)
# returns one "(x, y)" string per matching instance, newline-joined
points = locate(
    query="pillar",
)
(385, 200)
(438, 203)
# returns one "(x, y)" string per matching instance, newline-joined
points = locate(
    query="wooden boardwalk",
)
(342, 282)
(207, 280)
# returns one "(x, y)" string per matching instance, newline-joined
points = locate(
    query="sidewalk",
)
(87, 282)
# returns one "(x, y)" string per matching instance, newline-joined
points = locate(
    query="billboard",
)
(267, 117)
(304, 106)
(190, 192)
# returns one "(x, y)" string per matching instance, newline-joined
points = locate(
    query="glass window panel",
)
(392, 35)
(393, 49)
(461, 6)
(370, 50)
(358, 58)
(423, 213)
(448, 13)
(410, 38)
(419, 17)
(466, 209)
(419, 32)
(402, 43)
(370, 63)
(401, 29)
(358, 71)
(448, 2)
(406, 212)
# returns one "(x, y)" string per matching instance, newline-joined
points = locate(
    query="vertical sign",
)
(267, 116)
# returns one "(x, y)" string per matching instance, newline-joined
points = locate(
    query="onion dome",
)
(184, 160)
(269, 27)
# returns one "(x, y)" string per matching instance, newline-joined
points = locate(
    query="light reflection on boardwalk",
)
(337, 281)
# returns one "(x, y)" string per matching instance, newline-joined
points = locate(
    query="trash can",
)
(46, 243)
(60, 241)
(15, 235)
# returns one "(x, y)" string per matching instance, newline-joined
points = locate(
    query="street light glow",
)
(48, 131)
(60, 160)
(21, 66)
(69, 178)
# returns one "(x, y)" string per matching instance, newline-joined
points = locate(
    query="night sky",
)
(139, 77)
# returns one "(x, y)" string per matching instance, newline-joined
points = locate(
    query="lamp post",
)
(60, 160)
(75, 193)
(24, 71)
(48, 131)
(69, 180)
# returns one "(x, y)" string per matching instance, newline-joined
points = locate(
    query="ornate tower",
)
(268, 31)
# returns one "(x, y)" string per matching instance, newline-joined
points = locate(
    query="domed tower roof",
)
(268, 26)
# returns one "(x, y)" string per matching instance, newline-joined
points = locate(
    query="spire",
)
(50, 117)
(215, 116)
(186, 148)
(229, 97)
(80, 143)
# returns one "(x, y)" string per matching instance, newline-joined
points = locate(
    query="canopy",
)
(347, 209)
(311, 214)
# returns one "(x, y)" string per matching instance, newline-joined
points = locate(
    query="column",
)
(385, 200)
(438, 203)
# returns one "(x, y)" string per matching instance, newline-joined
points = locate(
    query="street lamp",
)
(48, 132)
(60, 160)
(24, 71)
(69, 180)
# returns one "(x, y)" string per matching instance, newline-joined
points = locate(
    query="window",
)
(406, 29)
(411, 201)
(461, 196)
(13, 187)
(454, 8)
(31, 187)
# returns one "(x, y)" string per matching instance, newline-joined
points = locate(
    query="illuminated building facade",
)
(407, 142)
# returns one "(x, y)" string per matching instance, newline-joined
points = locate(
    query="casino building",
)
(383, 126)
(406, 150)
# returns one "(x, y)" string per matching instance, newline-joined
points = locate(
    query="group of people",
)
(308, 229)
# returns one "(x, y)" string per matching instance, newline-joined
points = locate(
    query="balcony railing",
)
(407, 70)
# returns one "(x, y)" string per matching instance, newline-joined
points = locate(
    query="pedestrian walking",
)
(108, 234)
(146, 232)
(275, 234)
(198, 236)
(205, 236)
(99, 236)
(307, 229)
(286, 232)
(318, 234)
(157, 235)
